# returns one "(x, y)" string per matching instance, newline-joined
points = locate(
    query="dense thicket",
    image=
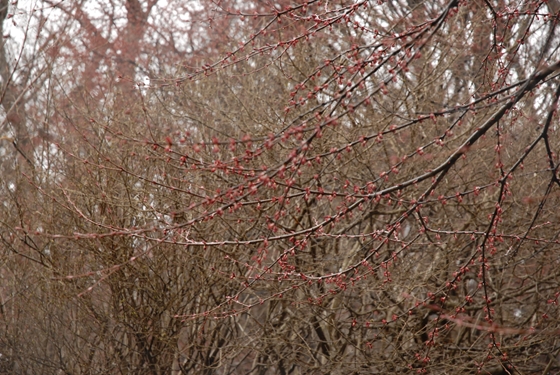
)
(279, 188)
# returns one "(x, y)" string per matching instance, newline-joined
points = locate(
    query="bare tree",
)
(312, 187)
